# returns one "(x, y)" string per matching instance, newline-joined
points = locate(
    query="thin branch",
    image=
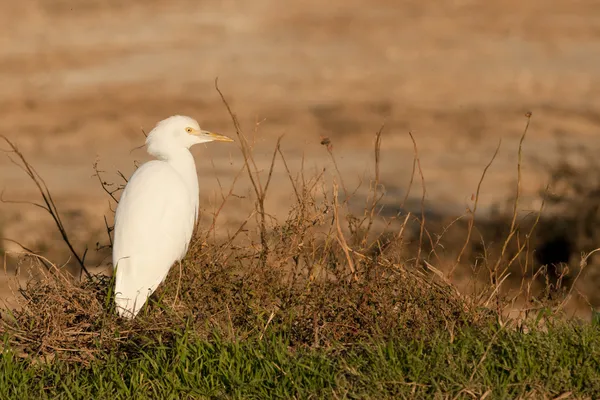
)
(48, 201)
(416, 150)
(474, 210)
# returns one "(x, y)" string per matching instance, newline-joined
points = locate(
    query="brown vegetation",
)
(322, 275)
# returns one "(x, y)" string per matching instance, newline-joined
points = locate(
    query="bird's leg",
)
(178, 284)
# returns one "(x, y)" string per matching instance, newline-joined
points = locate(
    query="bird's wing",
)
(153, 225)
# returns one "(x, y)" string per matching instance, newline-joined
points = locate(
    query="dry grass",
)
(75, 319)
(320, 276)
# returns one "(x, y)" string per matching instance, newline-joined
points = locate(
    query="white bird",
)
(157, 212)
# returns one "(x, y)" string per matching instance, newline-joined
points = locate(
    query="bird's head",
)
(178, 132)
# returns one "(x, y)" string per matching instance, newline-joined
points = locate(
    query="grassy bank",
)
(471, 364)
(323, 303)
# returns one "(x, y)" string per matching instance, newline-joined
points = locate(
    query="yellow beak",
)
(214, 136)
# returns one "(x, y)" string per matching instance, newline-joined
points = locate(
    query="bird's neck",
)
(182, 161)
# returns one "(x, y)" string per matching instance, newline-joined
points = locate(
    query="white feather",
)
(153, 224)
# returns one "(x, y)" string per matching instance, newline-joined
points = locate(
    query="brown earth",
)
(78, 81)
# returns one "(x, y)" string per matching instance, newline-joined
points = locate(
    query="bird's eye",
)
(189, 130)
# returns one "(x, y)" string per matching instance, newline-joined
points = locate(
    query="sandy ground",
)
(79, 80)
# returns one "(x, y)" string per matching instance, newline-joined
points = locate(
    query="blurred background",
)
(80, 80)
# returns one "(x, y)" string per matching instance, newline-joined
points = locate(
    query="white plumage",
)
(157, 212)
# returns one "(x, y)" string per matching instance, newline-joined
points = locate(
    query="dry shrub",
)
(301, 290)
(545, 262)
(563, 240)
(62, 317)
(385, 300)
(320, 276)
(298, 278)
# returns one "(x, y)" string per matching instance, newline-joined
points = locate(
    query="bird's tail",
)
(128, 299)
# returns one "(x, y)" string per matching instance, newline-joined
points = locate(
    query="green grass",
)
(508, 363)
